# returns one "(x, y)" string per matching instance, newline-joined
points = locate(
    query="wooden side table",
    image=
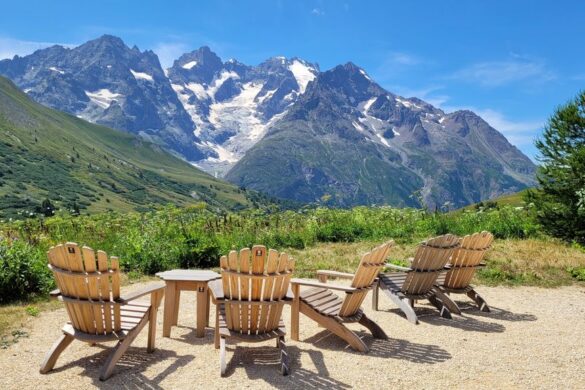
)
(178, 280)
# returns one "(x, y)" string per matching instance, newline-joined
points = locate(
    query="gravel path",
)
(534, 338)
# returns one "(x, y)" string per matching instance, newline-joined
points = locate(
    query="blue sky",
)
(513, 62)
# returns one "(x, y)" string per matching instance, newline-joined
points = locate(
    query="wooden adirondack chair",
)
(418, 281)
(466, 259)
(250, 299)
(90, 290)
(329, 310)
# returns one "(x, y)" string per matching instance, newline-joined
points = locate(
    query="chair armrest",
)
(151, 288)
(216, 289)
(335, 274)
(398, 267)
(328, 286)
(56, 293)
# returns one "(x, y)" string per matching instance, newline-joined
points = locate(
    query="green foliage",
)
(47, 208)
(23, 271)
(51, 161)
(560, 200)
(578, 273)
(193, 237)
(32, 311)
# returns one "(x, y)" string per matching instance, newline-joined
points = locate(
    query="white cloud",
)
(10, 47)
(169, 51)
(497, 73)
(400, 58)
(394, 63)
(317, 11)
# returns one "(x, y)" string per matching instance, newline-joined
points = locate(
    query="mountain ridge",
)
(350, 139)
(214, 113)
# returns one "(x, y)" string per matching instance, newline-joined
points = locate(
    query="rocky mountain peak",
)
(334, 132)
(200, 65)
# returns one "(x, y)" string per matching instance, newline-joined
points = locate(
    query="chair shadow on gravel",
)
(264, 363)
(465, 323)
(129, 369)
(386, 349)
(191, 337)
(429, 315)
(496, 313)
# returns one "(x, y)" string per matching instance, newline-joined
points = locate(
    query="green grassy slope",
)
(49, 154)
(516, 200)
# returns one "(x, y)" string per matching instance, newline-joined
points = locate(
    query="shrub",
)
(23, 271)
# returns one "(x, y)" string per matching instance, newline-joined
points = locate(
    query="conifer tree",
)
(560, 200)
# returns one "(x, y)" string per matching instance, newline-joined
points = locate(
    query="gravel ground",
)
(532, 339)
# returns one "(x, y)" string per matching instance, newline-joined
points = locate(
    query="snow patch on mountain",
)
(368, 104)
(103, 97)
(198, 89)
(408, 104)
(303, 74)
(189, 65)
(218, 82)
(223, 154)
(363, 72)
(372, 126)
(54, 69)
(239, 113)
(141, 75)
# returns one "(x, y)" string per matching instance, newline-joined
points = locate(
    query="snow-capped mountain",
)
(233, 104)
(310, 133)
(349, 138)
(106, 82)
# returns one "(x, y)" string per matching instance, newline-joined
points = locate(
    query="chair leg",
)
(374, 328)
(481, 303)
(452, 306)
(53, 354)
(222, 361)
(443, 310)
(216, 331)
(120, 349)
(375, 296)
(284, 362)
(334, 327)
(295, 310)
(151, 329)
(404, 304)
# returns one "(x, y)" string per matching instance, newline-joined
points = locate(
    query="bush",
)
(23, 271)
(193, 237)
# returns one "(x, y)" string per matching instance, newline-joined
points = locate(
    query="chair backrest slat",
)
(89, 263)
(105, 290)
(255, 295)
(430, 258)
(370, 266)
(466, 257)
(85, 282)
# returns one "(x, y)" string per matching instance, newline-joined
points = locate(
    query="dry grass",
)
(532, 262)
(15, 318)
